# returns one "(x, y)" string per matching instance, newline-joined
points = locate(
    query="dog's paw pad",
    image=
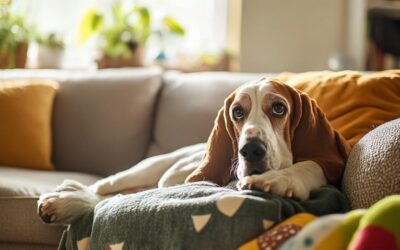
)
(46, 218)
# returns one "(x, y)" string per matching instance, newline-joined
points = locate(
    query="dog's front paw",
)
(70, 201)
(279, 182)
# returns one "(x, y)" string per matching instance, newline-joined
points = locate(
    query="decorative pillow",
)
(373, 167)
(25, 123)
(353, 102)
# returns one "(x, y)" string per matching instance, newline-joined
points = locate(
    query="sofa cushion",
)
(26, 182)
(188, 106)
(102, 119)
(20, 224)
(373, 167)
(353, 102)
(25, 123)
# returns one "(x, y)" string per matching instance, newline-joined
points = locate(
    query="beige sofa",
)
(104, 122)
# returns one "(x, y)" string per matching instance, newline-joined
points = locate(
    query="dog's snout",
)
(253, 151)
(252, 132)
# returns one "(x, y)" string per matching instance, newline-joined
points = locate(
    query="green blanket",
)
(191, 216)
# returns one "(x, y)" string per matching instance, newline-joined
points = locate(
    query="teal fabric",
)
(162, 218)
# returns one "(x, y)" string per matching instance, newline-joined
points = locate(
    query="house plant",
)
(123, 35)
(50, 50)
(15, 35)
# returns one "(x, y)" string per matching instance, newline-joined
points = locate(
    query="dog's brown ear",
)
(221, 149)
(313, 138)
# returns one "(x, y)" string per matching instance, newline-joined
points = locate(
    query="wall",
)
(287, 35)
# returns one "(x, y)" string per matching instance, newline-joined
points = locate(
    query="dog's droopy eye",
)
(238, 113)
(279, 109)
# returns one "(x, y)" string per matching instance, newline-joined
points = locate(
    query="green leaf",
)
(141, 29)
(117, 12)
(174, 26)
(91, 24)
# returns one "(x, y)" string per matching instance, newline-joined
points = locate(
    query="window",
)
(204, 22)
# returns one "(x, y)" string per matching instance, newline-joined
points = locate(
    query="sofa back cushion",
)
(188, 105)
(101, 120)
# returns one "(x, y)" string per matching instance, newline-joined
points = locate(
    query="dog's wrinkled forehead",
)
(258, 89)
(260, 86)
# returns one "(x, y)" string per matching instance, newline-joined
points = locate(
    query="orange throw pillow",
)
(25, 123)
(354, 102)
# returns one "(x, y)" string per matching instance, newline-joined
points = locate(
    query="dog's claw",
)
(53, 218)
(289, 193)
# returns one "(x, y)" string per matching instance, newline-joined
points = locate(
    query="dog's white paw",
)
(279, 182)
(70, 201)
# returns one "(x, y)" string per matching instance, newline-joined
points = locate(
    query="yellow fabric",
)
(353, 102)
(300, 219)
(251, 245)
(25, 123)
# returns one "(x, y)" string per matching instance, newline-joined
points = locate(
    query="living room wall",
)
(285, 35)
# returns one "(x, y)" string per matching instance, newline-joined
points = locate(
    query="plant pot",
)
(117, 62)
(19, 56)
(49, 57)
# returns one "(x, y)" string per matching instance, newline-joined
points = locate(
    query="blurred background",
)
(201, 35)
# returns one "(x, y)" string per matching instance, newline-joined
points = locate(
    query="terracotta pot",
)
(117, 62)
(20, 57)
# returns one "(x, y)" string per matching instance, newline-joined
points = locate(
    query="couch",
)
(103, 122)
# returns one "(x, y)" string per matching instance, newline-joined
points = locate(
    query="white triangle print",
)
(267, 224)
(229, 205)
(117, 246)
(200, 221)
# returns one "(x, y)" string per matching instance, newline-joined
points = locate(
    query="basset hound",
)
(267, 135)
(276, 138)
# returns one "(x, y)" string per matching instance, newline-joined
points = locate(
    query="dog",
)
(267, 135)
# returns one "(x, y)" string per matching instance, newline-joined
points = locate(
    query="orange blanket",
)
(353, 102)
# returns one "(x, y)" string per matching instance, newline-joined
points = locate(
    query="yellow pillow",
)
(354, 102)
(25, 123)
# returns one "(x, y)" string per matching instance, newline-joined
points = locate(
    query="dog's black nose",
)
(253, 151)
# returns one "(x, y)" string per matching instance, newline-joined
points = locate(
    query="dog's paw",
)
(279, 182)
(69, 202)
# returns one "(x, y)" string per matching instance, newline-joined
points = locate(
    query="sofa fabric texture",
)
(25, 123)
(20, 223)
(27, 182)
(373, 167)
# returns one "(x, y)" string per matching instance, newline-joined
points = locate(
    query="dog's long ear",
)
(221, 149)
(313, 138)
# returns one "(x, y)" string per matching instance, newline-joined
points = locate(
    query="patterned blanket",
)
(191, 216)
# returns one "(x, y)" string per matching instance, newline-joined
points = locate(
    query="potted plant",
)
(50, 50)
(122, 39)
(14, 38)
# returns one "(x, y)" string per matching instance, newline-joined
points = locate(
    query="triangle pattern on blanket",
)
(117, 246)
(200, 221)
(230, 204)
(83, 244)
(267, 224)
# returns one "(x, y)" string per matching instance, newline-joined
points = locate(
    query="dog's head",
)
(264, 125)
